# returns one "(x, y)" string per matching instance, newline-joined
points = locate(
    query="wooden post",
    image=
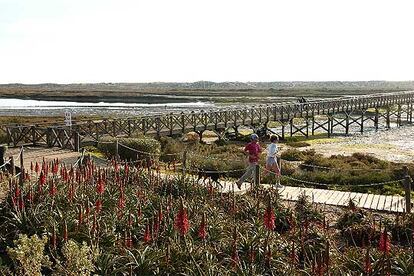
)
(313, 125)
(376, 119)
(329, 126)
(77, 141)
(21, 177)
(388, 117)
(13, 168)
(362, 122)
(117, 149)
(407, 188)
(399, 123)
(257, 176)
(347, 125)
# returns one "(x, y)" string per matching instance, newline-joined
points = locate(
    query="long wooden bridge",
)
(329, 116)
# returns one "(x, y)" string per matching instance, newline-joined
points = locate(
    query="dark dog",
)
(213, 175)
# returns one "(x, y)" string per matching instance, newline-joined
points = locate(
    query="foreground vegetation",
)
(132, 220)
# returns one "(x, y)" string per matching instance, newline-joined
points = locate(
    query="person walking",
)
(253, 150)
(272, 166)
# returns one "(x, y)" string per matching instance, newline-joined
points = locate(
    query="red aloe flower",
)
(252, 254)
(100, 186)
(65, 232)
(29, 196)
(121, 202)
(181, 220)
(80, 215)
(37, 168)
(202, 231)
(21, 203)
(159, 215)
(130, 220)
(269, 217)
(42, 178)
(384, 242)
(139, 211)
(128, 240)
(31, 166)
(156, 227)
(87, 210)
(293, 256)
(94, 224)
(27, 176)
(268, 256)
(367, 263)
(53, 240)
(235, 257)
(52, 189)
(147, 234)
(17, 192)
(98, 205)
(55, 168)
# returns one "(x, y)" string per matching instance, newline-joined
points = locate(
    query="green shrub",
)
(28, 255)
(145, 146)
(3, 137)
(292, 155)
(79, 259)
(300, 144)
(171, 149)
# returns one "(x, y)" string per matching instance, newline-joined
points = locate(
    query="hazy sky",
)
(219, 40)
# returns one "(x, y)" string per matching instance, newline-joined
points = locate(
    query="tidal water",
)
(21, 107)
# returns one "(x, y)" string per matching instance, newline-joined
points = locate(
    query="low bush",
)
(300, 144)
(171, 149)
(3, 137)
(144, 146)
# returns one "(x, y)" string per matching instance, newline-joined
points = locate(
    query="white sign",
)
(68, 119)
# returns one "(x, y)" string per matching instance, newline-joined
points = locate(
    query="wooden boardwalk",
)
(36, 154)
(385, 203)
(329, 116)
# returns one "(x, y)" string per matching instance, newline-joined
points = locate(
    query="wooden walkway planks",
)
(385, 203)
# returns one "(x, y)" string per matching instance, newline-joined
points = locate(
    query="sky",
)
(74, 41)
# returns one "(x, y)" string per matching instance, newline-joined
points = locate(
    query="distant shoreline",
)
(228, 92)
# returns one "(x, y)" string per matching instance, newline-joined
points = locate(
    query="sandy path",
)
(396, 144)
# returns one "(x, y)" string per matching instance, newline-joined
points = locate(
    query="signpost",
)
(68, 119)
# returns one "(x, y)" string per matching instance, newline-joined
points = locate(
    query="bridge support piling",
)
(399, 123)
(388, 118)
(362, 122)
(347, 124)
(313, 125)
(330, 126)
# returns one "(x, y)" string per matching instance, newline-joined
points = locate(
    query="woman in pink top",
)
(253, 149)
